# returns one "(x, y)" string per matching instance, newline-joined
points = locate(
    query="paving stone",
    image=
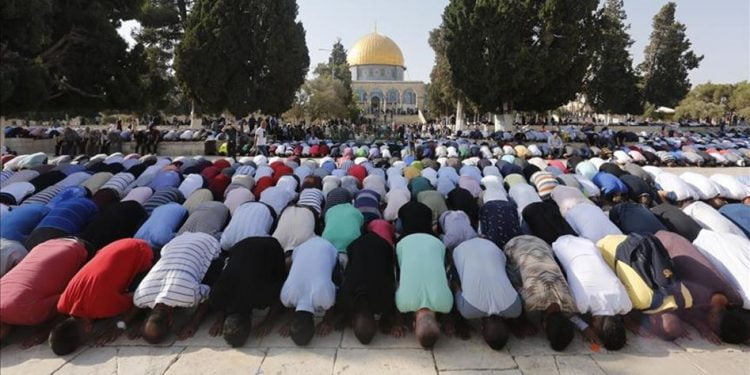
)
(124, 360)
(481, 372)
(577, 365)
(724, 363)
(473, 354)
(649, 345)
(280, 361)
(539, 345)
(696, 343)
(648, 363)
(537, 364)
(146, 360)
(218, 361)
(101, 361)
(380, 340)
(275, 340)
(36, 360)
(384, 362)
(203, 339)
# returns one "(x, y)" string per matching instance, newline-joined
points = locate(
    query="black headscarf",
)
(46, 180)
(545, 221)
(460, 199)
(415, 217)
(612, 168)
(637, 187)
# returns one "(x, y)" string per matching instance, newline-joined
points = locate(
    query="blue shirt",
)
(739, 214)
(165, 179)
(67, 193)
(161, 227)
(609, 184)
(17, 224)
(70, 216)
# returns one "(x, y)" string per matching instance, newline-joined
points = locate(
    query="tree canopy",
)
(667, 60)
(519, 55)
(339, 67)
(68, 56)
(612, 83)
(713, 102)
(242, 55)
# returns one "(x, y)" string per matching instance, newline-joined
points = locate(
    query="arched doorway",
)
(375, 103)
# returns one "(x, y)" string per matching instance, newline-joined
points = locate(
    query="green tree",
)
(163, 25)
(242, 55)
(714, 101)
(67, 56)
(441, 93)
(740, 100)
(510, 55)
(667, 60)
(337, 65)
(612, 83)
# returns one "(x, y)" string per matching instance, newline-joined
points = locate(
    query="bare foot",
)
(284, 330)
(398, 330)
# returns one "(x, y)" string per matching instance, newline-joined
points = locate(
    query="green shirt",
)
(343, 225)
(423, 283)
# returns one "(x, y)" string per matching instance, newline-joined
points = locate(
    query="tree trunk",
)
(195, 121)
(504, 121)
(459, 115)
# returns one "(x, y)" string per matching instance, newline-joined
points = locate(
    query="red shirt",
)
(98, 290)
(29, 292)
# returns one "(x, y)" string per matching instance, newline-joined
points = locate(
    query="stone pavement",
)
(340, 353)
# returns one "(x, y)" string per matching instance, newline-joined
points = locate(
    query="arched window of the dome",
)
(361, 95)
(377, 93)
(410, 97)
(393, 96)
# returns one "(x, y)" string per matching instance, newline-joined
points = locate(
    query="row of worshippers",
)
(418, 291)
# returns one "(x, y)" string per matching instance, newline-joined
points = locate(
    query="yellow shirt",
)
(639, 292)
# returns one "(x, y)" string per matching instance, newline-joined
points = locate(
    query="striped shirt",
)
(252, 219)
(163, 196)
(119, 183)
(312, 198)
(175, 280)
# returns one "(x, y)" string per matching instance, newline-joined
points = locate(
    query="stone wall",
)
(30, 146)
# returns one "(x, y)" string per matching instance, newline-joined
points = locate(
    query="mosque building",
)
(378, 84)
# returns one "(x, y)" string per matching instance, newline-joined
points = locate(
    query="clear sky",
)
(718, 29)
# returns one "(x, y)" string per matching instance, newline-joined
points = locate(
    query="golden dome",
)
(375, 49)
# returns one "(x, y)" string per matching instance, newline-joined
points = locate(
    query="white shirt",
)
(11, 253)
(590, 222)
(456, 228)
(671, 183)
(702, 185)
(191, 183)
(251, 219)
(594, 285)
(730, 255)
(589, 188)
(523, 195)
(733, 189)
(480, 265)
(709, 218)
(309, 286)
(260, 136)
(567, 197)
(277, 197)
(175, 280)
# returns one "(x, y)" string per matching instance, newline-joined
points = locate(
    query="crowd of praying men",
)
(453, 242)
